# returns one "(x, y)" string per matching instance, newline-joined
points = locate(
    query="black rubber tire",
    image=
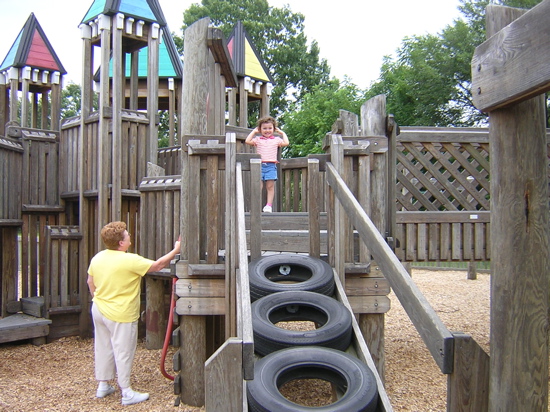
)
(304, 273)
(354, 381)
(332, 318)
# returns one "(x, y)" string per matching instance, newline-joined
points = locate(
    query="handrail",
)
(244, 314)
(438, 339)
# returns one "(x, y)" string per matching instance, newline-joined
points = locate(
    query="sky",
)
(353, 37)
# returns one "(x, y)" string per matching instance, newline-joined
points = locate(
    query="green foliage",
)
(309, 121)
(278, 36)
(428, 82)
(71, 101)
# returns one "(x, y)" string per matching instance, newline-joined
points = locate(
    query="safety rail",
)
(233, 363)
(468, 382)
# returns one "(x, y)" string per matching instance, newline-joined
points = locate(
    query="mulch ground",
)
(59, 376)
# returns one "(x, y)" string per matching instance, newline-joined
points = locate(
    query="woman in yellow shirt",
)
(114, 279)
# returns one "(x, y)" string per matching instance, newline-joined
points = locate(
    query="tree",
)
(71, 98)
(71, 101)
(428, 82)
(312, 119)
(278, 35)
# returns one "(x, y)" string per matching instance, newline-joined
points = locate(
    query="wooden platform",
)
(21, 326)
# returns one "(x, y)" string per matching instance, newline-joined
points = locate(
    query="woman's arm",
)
(164, 261)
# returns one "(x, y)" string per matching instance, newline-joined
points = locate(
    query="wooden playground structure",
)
(380, 197)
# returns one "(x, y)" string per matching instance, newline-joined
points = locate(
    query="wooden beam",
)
(436, 336)
(512, 65)
(519, 229)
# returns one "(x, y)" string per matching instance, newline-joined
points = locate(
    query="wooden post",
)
(255, 209)
(243, 104)
(373, 123)
(104, 132)
(195, 100)
(313, 207)
(83, 204)
(117, 104)
(467, 385)
(153, 91)
(520, 228)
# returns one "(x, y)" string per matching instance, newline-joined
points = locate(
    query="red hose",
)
(168, 332)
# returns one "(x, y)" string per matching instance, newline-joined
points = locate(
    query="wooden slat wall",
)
(135, 126)
(33, 263)
(11, 161)
(443, 236)
(159, 212)
(62, 266)
(40, 168)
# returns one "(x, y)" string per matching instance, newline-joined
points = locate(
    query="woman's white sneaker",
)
(133, 397)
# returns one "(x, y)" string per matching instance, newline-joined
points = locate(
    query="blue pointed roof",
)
(147, 10)
(32, 49)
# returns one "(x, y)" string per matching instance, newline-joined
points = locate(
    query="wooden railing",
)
(468, 380)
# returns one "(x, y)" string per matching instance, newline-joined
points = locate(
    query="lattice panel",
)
(442, 176)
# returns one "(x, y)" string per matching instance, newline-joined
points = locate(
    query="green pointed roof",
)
(32, 49)
(147, 10)
(245, 56)
(170, 64)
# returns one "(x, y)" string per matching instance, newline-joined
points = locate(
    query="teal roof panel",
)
(148, 10)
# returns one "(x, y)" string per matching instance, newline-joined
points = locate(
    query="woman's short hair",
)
(112, 233)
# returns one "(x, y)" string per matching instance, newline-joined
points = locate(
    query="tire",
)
(335, 330)
(280, 273)
(354, 382)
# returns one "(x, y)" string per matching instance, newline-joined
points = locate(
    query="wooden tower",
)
(32, 68)
(118, 29)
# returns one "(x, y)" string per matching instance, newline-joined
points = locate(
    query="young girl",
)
(266, 146)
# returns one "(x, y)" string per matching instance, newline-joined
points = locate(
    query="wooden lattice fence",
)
(442, 170)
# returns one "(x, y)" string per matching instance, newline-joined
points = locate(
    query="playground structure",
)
(339, 205)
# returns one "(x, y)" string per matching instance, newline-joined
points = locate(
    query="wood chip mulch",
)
(59, 376)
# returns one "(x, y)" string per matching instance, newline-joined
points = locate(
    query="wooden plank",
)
(225, 380)
(500, 76)
(456, 241)
(155, 317)
(290, 242)
(366, 286)
(444, 217)
(313, 206)
(363, 352)
(421, 246)
(64, 273)
(200, 287)
(444, 241)
(256, 219)
(369, 304)
(430, 327)
(410, 241)
(212, 208)
(520, 227)
(200, 306)
(21, 326)
(468, 385)
(243, 308)
(467, 241)
(442, 134)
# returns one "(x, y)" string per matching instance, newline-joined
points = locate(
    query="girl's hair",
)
(112, 233)
(267, 119)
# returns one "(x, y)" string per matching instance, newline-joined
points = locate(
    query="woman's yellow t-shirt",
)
(117, 279)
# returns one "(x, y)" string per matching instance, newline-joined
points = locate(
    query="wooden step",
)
(21, 326)
(33, 306)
